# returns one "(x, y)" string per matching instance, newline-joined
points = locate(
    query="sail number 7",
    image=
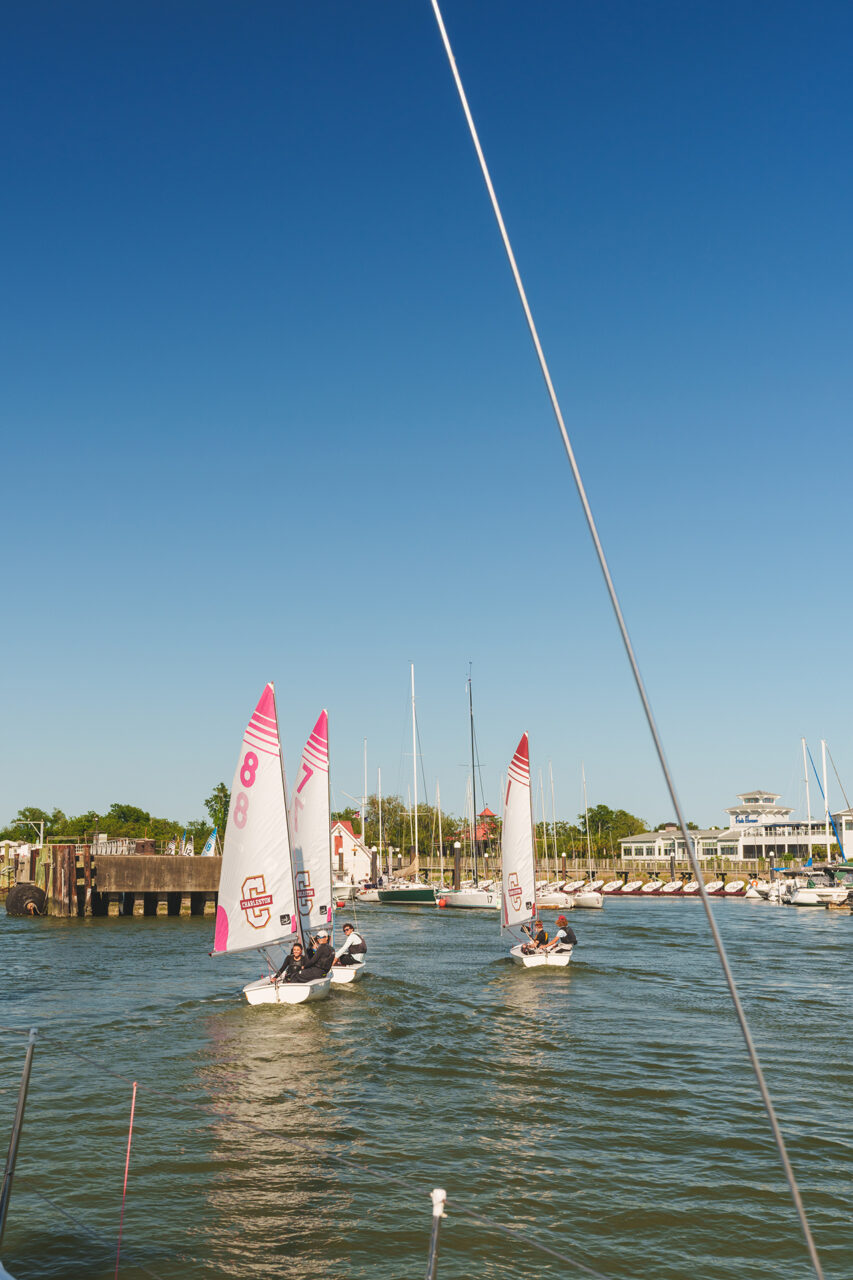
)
(248, 770)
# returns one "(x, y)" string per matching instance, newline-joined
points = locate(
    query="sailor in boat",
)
(320, 961)
(538, 942)
(354, 948)
(294, 963)
(564, 939)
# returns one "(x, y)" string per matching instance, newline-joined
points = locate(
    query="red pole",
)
(126, 1168)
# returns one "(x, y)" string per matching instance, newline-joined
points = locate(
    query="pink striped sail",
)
(310, 825)
(257, 904)
(519, 884)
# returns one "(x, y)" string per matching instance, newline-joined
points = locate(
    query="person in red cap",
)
(564, 939)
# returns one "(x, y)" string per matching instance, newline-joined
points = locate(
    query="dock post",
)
(139, 904)
(186, 905)
(210, 905)
(162, 904)
(87, 880)
(113, 904)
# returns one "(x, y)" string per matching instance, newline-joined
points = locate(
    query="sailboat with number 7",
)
(258, 907)
(518, 908)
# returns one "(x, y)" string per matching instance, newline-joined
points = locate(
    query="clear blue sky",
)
(269, 408)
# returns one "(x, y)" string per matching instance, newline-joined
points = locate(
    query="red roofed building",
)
(350, 855)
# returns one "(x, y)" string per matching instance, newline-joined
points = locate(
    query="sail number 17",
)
(248, 770)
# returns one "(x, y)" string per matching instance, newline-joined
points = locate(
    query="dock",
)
(78, 881)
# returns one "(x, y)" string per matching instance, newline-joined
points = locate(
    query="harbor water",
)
(607, 1111)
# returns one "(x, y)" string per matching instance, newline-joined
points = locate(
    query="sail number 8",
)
(248, 770)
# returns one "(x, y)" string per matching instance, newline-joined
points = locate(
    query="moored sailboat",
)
(257, 907)
(518, 908)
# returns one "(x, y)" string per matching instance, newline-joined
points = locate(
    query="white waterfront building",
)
(759, 827)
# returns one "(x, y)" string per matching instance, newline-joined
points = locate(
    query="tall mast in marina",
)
(379, 802)
(440, 836)
(544, 825)
(825, 797)
(808, 801)
(473, 779)
(553, 819)
(415, 766)
(586, 823)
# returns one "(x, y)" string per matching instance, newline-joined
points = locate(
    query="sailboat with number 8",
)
(264, 905)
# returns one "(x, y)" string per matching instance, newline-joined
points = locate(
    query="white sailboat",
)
(518, 908)
(257, 907)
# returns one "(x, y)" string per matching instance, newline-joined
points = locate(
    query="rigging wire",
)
(837, 778)
(632, 660)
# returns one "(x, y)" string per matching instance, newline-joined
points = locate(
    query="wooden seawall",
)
(79, 882)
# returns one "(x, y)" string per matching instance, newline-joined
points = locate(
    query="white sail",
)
(209, 849)
(519, 887)
(257, 904)
(311, 832)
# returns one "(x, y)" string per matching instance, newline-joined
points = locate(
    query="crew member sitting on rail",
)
(565, 937)
(354, 949)
(293, 964)
(322, 959)
(538, 942)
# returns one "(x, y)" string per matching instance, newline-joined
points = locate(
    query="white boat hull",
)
(368, 895)
(552, 959)
(265, 991)
(346, 972)
(473, 899)
(554, 902)
(590, 898)
(344, 891)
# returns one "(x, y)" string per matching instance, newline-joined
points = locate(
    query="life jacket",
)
(565, 941)
(358, 948)
(541, 937)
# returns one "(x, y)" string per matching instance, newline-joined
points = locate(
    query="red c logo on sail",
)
(514, 890)
(304, 892)
(256, 902)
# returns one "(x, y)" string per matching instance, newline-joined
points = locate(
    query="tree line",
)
(606, 827)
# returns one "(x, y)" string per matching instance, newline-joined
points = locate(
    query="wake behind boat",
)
(519, 884)
(258, 898)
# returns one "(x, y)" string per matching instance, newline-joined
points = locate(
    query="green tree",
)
(216, 805)
(607, 827)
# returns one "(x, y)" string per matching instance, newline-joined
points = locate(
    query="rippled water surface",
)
(607, 1110)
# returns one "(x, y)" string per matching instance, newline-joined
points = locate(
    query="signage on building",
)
(746, 820)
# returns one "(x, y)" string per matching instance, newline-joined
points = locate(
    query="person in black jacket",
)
(293, 965)
(565, 937)
(538, 940)
(322, 960)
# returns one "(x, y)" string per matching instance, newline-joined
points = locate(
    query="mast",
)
(808, 802)
(364, 798)
(415, 767)
(586, 823)
(553, 820)
(473, 779)
(379, 801)
(544, 825)
(825, 798)
(440, 836)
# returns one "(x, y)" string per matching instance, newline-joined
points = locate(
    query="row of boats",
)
(831, 885)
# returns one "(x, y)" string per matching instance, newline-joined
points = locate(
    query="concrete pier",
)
(81, 882)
